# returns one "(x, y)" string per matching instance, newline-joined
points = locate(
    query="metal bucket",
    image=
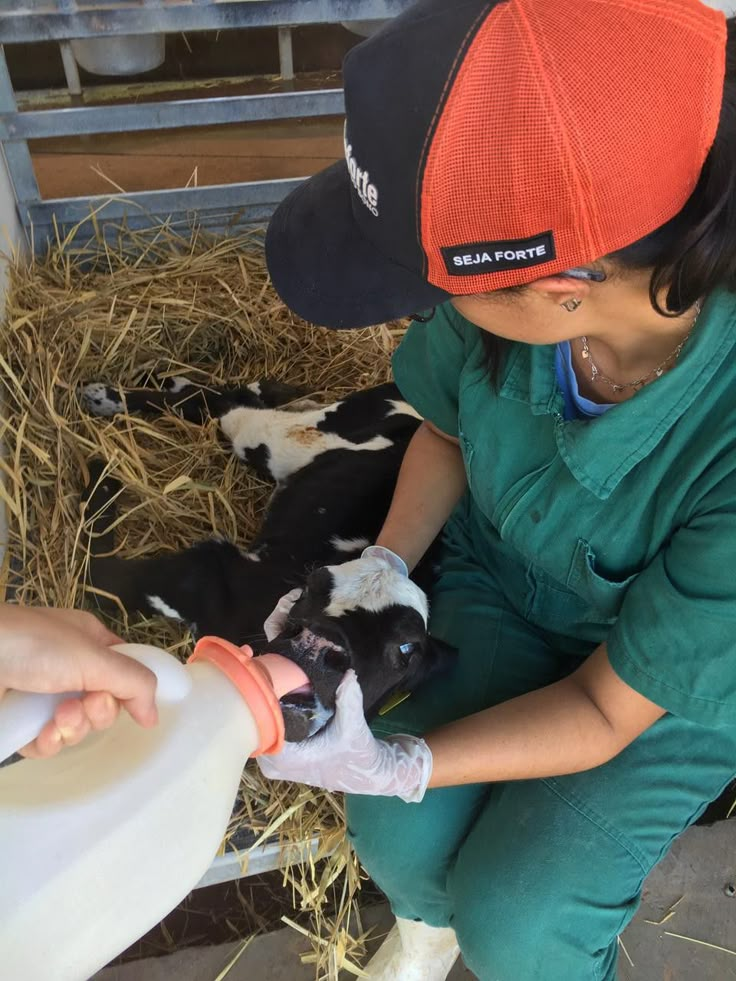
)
(126, 54)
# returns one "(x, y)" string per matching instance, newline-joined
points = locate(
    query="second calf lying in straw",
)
(335, 468)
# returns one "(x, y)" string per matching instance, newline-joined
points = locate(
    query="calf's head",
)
(361, 615)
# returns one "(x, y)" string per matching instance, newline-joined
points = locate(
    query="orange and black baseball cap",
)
(488, 144)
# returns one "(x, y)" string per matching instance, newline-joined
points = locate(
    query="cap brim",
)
(324, 268)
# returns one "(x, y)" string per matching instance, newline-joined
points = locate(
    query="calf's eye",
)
(400, 655)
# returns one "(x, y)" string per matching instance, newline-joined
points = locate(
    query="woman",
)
(558, 182)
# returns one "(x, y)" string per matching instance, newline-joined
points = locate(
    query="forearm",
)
(545, 733)
(576, 724)
(431, 482)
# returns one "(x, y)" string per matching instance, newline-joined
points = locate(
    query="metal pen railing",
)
(218, 207)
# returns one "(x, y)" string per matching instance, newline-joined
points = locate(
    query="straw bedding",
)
(161, 304)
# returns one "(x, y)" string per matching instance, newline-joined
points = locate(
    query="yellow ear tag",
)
(396, 699)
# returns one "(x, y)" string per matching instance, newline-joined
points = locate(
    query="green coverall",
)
(619, 529)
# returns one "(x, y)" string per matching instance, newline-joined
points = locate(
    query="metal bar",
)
(265, 858)
(45, 123)
(125, 90)
(85, 236)
(286, 54)
(71, 69)
(17, 157)
(24, 25)
(179, 201)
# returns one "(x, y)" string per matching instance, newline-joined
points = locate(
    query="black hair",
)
(694, 252)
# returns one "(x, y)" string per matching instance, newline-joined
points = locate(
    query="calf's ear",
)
(442, 655)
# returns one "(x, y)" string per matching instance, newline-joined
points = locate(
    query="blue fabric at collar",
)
(576, 405)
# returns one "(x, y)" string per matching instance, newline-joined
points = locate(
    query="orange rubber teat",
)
(285, 675)
(261, 681)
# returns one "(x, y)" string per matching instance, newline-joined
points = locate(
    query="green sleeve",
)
(427, 366)
(675, 638)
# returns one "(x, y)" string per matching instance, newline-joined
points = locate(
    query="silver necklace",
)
(597, 375)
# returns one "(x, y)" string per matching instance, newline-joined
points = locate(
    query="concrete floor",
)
(697, 872)
(274, 957)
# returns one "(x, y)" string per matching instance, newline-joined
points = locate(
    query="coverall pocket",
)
(605, 596)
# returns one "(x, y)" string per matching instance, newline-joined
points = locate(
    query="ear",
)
(444, 655)
(560, 288)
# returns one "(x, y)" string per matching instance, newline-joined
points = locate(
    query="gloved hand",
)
(346, 755)
(276, 620)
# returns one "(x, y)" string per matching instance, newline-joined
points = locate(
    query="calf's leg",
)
(194, 402)
(213, 586)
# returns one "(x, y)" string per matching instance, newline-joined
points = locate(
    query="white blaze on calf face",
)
(291, 445)
(370, 584)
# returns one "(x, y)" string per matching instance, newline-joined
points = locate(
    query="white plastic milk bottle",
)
(99, 843)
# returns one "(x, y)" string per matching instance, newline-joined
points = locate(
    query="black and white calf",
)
(335, 468)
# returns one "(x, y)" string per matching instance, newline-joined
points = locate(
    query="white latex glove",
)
(346, 755)
(276, 620)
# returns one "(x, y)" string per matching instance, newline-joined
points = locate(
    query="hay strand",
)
(668, 915)
(702, 943)
(625, 951)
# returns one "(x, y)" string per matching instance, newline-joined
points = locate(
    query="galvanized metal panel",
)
(264, 858)
(229, 197)
(172, 114)
(218, 208)
(17, 156)
(48, 21)
(223, 209)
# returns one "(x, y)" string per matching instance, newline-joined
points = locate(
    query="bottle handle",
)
(24, 714)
